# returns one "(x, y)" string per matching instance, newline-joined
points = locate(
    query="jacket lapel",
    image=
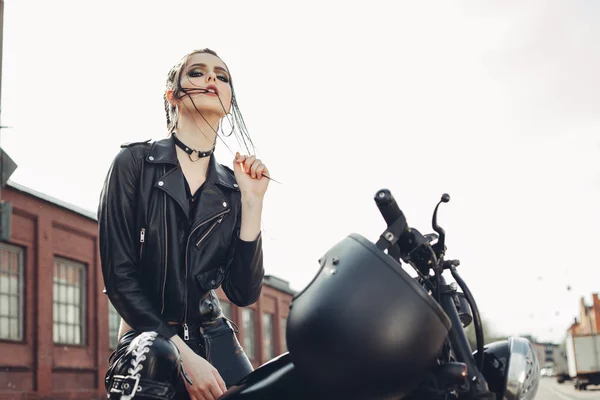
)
(172, 179)
(172, 183)
(212, 200)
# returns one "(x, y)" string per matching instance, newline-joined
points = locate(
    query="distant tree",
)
(489, 335)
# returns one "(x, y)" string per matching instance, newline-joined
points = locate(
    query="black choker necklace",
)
(199, 154)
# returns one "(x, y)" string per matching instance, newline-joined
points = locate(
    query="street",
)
(550, 390)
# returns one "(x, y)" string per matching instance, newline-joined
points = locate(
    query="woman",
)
(174, 225)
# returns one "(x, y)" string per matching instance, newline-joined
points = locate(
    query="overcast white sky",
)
(495, 102)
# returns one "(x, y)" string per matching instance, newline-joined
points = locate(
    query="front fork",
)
(476, 383)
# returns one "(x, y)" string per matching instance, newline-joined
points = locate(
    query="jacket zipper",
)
(166, 254)
(217, 222)
(186, 332)
(142, 239)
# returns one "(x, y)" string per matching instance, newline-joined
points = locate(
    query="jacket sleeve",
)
(244, 269)
(118, 247)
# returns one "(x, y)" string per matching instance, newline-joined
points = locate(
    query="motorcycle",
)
(365, 329)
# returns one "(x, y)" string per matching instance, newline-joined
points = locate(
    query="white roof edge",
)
(53, 200)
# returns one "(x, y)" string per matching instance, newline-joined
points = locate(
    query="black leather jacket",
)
(161, 264)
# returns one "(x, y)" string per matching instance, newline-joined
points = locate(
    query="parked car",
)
(547, 371)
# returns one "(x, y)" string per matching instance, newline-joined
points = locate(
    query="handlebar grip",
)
(388, 207)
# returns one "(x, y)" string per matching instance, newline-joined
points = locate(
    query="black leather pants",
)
(148, 366)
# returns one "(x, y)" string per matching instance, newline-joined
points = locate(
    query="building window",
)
(249, 332)
(283, 326)
(226, 309)
(69, 302)
(269, 337)
(114, 320)
(11, 292)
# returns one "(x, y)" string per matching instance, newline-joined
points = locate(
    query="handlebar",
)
(408, 243)
(388, 207)
(413, 248)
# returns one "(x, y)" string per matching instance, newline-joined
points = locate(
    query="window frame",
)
(20, 318)
(110, 334)
(268, 338)
(83, 303)
(253, 354)
(282, 331)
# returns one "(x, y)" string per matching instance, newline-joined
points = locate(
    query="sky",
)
(496, 103)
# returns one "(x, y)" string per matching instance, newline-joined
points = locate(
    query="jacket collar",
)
(163, 152)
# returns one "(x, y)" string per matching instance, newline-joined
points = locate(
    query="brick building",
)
(546, 353)
(588, 322)
(57, 328)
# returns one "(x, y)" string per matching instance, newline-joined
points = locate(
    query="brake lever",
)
(440, 246)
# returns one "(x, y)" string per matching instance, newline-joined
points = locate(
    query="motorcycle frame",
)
(459, 343)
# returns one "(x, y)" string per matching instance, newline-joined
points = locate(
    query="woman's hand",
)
(207, 383)
(249, 173)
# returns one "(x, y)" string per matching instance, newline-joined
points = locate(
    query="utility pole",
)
(7, 165)
(1, 41)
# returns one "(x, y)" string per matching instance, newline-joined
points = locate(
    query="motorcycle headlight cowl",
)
(363, 325)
